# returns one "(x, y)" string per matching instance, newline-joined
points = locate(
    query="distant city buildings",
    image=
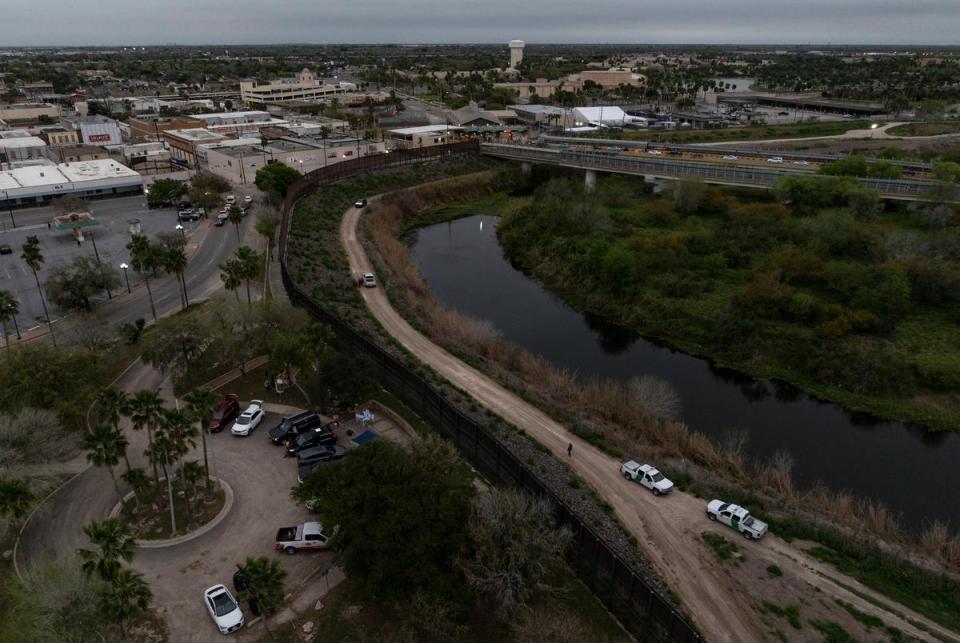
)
(305, 86)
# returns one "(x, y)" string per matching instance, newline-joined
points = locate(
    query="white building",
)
(97, 130)
(37, 184)
(21, 148)
(239, 122)
(605, 116)
(423, 136)
(303, 86)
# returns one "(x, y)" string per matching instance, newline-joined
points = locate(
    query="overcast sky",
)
(154, 22)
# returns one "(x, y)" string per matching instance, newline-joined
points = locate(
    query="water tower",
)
(516, 53)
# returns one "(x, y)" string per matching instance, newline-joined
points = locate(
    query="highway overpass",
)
(666, 168)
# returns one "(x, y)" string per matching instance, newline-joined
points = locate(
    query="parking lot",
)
(59, 247)
(261, 479)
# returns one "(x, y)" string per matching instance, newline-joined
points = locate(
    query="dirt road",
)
(722, 598)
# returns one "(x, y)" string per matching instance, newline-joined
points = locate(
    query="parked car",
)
(738, 518)
(314, 437)
(189, 215)
(731, 157)
(33, 239)
(801, 162)
(230, 199)
(369, 280)
(241, 585)
(360, 203)
(249, 419)
(248, 199)
(223, 608)
(5, 249)
(775, 159)
(225, 413)
(646, 476)
(315, 457)
(290, 427)
(306, 537)
(221, 218)
(304, 469)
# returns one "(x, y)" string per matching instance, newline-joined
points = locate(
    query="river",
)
(915, 472)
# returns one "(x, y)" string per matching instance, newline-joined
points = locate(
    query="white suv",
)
(249, 419)
(223, 609)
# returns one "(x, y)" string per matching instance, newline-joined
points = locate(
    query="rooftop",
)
(24, 106)
(21, 142)
(234, 115)
(195, 134)
(424, 129)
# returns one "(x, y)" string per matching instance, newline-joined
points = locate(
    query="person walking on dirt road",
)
(570, 449)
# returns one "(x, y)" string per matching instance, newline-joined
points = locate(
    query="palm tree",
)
(266, 226)
(128, 596)
(138, 481)
(192, 473)
(34, 258)
(144, 410)
(112, 402)
(201, 403)
(235, 216)
(230, 276)
(104, 445)
(161, 452)
(249, 266)
(324, 135)
(174, 260)
(181, 432)
(114, 543)
(143, 258)
(15, 498)
(9, 307)
(264, 578)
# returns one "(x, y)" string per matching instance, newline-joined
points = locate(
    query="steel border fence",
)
(639, 607)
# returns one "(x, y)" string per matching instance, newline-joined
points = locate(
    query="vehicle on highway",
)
(801, 162)
(225, 413)
(306, 537)
(738, 518)
(222, 218)
(249, 419)
(189, 214)
(314, 437)
(369, 281)
(240, 584)
(647, 476)
(360, 203)
(654, 152)
(290, 427)
(775, 159)
(731, 157)
(223, 608)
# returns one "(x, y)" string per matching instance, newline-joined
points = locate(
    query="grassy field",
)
(926, 129)
(751, 133)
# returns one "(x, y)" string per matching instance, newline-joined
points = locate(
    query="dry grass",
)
(641, 414)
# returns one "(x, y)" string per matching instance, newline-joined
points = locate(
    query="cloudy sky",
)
(151, 22)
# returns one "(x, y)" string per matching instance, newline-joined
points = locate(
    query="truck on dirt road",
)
(646, 476)
(738, 518)
(306, 537)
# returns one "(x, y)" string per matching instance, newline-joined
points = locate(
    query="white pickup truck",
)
(306, 537)
(737, 517)
(647, 476)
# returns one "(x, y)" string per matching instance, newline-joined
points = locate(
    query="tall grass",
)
(639, 416)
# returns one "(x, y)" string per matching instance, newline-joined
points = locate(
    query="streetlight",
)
(97, 254)
(6, 197)
(183, 235)
(126, 277)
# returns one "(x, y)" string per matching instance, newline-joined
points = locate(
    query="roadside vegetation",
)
(440, 560)
(749, 133)
(925, 129)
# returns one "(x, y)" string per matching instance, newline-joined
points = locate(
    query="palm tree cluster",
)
(126, 594)
(243, 268)
(148, 257)
(171, 434)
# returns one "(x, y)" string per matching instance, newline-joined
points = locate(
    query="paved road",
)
(667, 529)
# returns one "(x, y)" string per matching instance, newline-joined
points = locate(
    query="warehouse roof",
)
(22, 141)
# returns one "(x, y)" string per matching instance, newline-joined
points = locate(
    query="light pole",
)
(126, 277)
(6, 197)
(97, 255)
(183, 235)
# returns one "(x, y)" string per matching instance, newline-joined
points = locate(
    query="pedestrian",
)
(570, 449)
(48, 225)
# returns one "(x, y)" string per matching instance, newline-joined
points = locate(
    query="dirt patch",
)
(149, 519)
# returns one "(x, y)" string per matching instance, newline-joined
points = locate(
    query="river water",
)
(915, 472)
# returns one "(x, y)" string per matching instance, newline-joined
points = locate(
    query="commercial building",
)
(28, 113)
(239, 163)
(80, 153)
(143, 130)
(239, 122)
(541, 88)
(424, 136)
(304, 86)
(97, 130)
(37, 184)
(608, 79)
(544, 115)
(605, 116)
(183, 143)
(146, 158)
(21, 148)
(57, 135)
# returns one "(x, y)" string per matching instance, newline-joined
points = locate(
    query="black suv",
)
(312, 438)
(291, 427)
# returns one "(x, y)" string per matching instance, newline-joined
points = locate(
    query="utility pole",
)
(96, 253)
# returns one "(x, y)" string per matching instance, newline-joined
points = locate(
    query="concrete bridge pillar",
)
(658, 184)
(590, 180)
(526, 168)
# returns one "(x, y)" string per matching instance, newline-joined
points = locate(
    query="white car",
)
(801, 162)
(249, 419)
(737, 517)
(230, 199)
(647, 476)
(369, 281)
(223, 609)
(248, 199)
(731, 157)
(775, 159)
(655, 152)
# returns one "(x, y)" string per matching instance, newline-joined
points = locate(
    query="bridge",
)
(659, 168)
